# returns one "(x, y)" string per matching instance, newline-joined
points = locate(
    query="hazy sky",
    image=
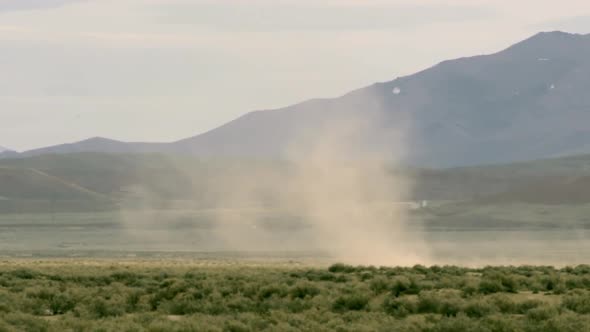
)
(161, 70)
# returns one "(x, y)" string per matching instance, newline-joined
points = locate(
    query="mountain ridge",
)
(524, 102)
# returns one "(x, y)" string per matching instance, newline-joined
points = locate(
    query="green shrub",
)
(567, 322)
(352, 302)
(428, 302)
(133, 300)
(101, 309)
(23, 274)
(380, 285)
(470, 288)
(339, 267)
(577, 302)
(524, 306)
(451, 306)
(439, 302)
(490, 286)
(399, 306)
(183, 305)
(404, 286)
(509, 283)
(236, 326)
(303, 290)
(61, 303)
(272, 290)
(550, 282)
(298, 305)
(457, 324)
(479, 308)
(542, 313)
(126, 277)
(504, 303)
(23, 322)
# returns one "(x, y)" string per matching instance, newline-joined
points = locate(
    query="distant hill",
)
(556, 191)
(554, 181)
(31, 190)
(526, 102)
(110, 174)
(512, 182)
(135, 180)
(97, 144)
(97, 181)
(26, 183)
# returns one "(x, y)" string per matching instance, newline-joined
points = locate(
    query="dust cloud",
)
(332, 192)
(344, 186)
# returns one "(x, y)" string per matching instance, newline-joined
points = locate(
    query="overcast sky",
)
(161, 70)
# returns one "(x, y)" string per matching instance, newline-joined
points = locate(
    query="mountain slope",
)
(28, 183)
(31, 190)
(526, 102)
(111, 174)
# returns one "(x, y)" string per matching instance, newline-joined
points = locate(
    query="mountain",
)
(526, 102)
(96, 144)
(7, 153)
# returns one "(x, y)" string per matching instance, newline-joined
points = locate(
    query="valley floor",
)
(457, 234)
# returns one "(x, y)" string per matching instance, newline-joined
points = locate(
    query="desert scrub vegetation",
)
(108, 296)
